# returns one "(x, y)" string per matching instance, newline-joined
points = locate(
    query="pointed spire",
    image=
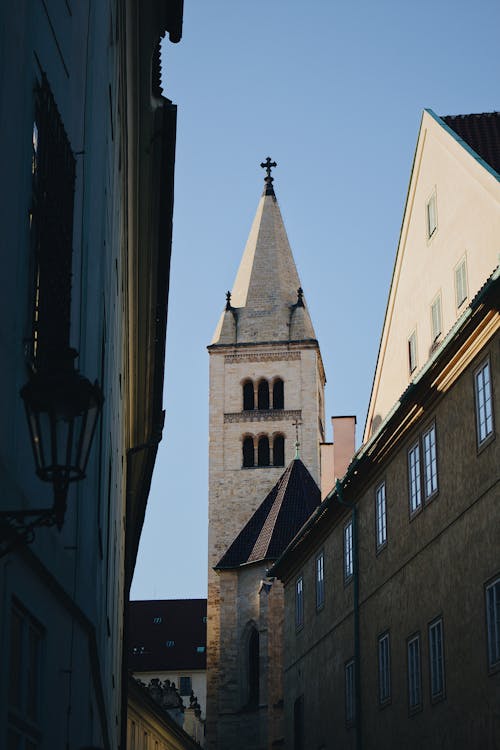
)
(267, 302)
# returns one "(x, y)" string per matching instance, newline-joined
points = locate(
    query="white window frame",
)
(412, 352)
(436, 660)
(414, 673)
(350, 693)
(348, 552)
(384, 668)
(414, 478)
(483, 396)
(299, 602)
(461, 283)
(320, 580)
(380, 516)
(431, 215)
(436, 318)
(430, 465)
(492, 597)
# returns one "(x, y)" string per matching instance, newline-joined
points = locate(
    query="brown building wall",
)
(435, 564)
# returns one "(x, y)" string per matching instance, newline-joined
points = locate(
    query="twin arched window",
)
(263, 395)
(263, 451)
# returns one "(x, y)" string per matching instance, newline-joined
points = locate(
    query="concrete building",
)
(266, 394)
(88, 145)
(392, 588)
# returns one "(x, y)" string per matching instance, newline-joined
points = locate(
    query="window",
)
(263, 394)
(25, 654)
(298, 724)
(436, 659)
(436, 322)
(484, 403)
(200, 649)
(279, 450)
(348, 560)
(278, 394)
(299, 602)
(248, 396)
(350, 702)
(422, 482)
(320, 581)
(157, 620)
(414, 677)
(412, 352)
(414, 478)
(431, 215)
(253, 668)
(169, 644)
(263, 451)
(430, 462)
(51, 227)
(248, 452)
(461, 283)
(185, 685)
(493, 622)
(384, 668)
(380, 516)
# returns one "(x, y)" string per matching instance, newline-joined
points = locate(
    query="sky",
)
(334, 92)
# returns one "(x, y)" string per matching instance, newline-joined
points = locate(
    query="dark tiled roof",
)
(276, 521)
(481, 132)
(165, 634)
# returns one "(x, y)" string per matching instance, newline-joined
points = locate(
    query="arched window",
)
(279, 450)
(278, 394)
(263, 451)
(248, 452)
(248, 396)
(253, 668)
(263, 394)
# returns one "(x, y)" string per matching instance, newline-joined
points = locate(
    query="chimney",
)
(336, 456)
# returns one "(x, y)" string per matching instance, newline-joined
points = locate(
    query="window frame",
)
(462, 264)
(490, 436)
(440, 695)
(427, 497)
(348, 557)
(185, 677)
(320, 582)
(412, 352)
(384, 669)
(350, 693)
(436, 304)
(415, 481)
(417, 447)
(493, 665)
(414, 708)
(299, 602)
(431, 202)
(380, 544)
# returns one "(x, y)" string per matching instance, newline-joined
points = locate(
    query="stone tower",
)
(266, 385)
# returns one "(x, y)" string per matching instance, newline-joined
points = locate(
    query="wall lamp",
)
(62, 408)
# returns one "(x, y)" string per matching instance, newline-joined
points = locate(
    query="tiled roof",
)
(276, 521)
(481, 132)
(167, 634)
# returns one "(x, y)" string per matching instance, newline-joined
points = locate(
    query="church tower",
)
(266, 394)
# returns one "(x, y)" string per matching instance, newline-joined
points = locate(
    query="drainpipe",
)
(355, 583)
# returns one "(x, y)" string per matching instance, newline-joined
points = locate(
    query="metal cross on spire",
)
(268, 165)
(297, 424)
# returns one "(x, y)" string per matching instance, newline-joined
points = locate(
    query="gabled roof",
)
(167, 634)
(276, 521)
(265, 305)
(481, 132)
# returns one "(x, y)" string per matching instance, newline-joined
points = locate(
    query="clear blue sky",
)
(334, 92)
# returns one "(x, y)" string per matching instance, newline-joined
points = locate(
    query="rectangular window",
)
(380, 515)
(299, 602)
(414, 478)
(484, 403)
(350, 703)
(431, 216)
(436, 659)
(412, 352)
(185, 685)
(320, 581)
(430, 462)
(461, 283)
(298, 724)
(414, 676)
(436, 322)
(348, 560)
(493, 622)
(384, 668)
(24, 676)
